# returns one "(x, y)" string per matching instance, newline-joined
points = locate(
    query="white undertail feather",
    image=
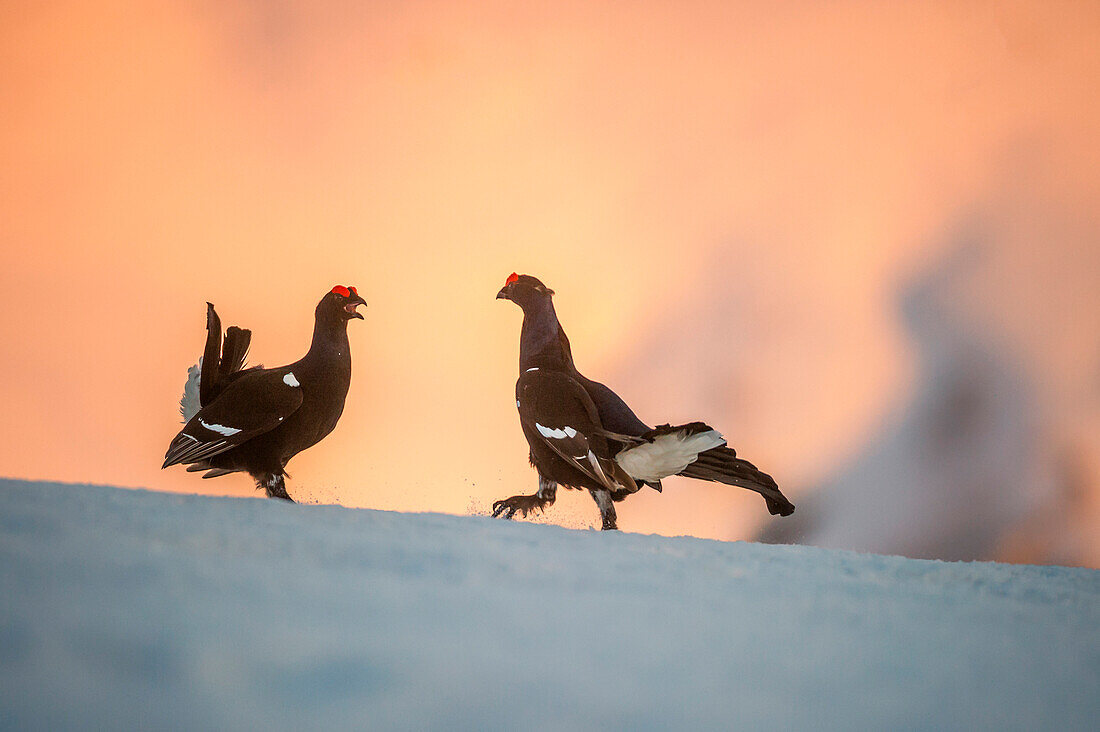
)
(667, 455)
(189, 402)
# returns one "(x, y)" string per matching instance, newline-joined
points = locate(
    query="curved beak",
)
(503, 294)
(353, 302)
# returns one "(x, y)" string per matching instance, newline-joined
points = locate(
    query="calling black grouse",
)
(255, 420)
(582, 435)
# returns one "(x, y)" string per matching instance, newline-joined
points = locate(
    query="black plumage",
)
(221, 363)
(583, 435)
(255, 420)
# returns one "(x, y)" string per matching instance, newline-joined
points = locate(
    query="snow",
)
(123, 608)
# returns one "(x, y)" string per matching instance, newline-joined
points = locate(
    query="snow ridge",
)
(131, 608)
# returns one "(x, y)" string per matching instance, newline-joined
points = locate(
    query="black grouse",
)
(582, 435)
(255, 420)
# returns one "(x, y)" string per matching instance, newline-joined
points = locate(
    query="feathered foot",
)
(607, 509)
(507, 508)
(523, 505)
(274, 486)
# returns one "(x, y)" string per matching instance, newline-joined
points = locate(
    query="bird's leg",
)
(524, 505)
(275, 486)
(607, 509)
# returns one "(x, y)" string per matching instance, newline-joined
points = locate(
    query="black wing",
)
(253, 404)
(614, 414)
(556, 411)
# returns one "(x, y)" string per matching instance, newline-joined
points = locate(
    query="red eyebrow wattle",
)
(511, 278)
(342, 291)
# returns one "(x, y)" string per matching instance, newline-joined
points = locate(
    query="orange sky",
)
(254, 154)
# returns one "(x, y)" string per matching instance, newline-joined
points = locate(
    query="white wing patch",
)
(667, 455)
(220, 429)
(556, 434)
(289, 379)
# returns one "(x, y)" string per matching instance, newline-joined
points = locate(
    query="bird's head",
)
(525, 291)
(339, 304)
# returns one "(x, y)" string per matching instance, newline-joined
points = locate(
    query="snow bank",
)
(130, 608)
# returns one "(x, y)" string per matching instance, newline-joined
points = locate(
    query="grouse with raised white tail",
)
(583, 435)
(255, 420)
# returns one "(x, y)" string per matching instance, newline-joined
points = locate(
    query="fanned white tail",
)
(668, 453)
(189, 402)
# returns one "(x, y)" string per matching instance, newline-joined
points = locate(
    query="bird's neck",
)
(330, 340)
(542, 342)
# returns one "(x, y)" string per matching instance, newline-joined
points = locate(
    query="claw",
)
(507, 508)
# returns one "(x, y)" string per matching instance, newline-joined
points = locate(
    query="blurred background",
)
(860, 238)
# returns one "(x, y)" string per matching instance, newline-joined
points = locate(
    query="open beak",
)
(354, 301)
